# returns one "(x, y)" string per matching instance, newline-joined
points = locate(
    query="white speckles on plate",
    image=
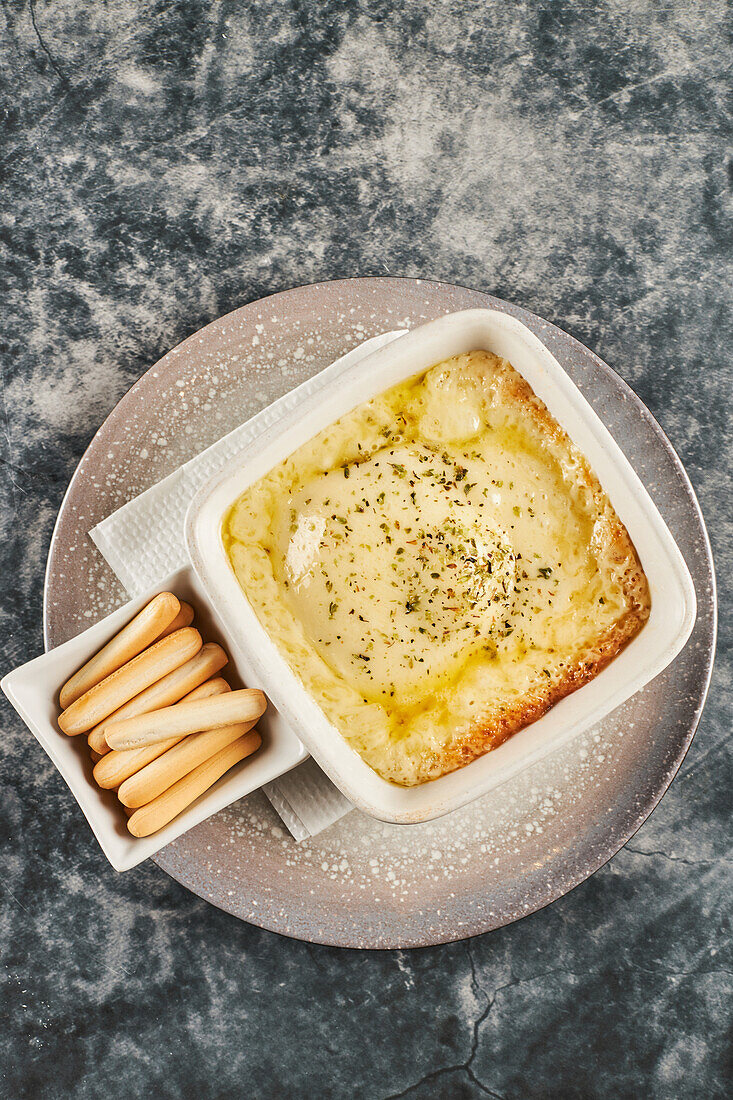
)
(363, 883)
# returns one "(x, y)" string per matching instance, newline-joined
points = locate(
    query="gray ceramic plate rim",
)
(614, 842)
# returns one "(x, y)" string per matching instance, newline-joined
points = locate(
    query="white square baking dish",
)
(33, 690)
(663, 636)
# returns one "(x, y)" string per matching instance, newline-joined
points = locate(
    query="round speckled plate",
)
(363, 883)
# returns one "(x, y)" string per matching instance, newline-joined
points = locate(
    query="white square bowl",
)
(33, 690)
(663, 636)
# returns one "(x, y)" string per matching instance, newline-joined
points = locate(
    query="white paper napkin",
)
(143, 542)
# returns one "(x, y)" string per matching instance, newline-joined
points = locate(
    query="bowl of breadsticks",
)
(147, 719)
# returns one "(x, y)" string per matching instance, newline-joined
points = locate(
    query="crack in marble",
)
(678, 859)
(491, 999)
(17, 902)
(435, 1074)
(52, 60)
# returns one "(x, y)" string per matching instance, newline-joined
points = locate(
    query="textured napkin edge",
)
(286, 813)
(306, 800)
(103, 537)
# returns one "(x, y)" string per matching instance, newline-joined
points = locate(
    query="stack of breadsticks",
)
(162, 725)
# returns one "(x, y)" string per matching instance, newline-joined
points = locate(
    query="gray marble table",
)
(164, 162)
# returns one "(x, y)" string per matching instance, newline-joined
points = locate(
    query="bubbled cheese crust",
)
(439, 567)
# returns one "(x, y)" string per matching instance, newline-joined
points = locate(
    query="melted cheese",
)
(438, 567)
(394, 572)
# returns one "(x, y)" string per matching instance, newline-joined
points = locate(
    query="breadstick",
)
(183, 618)
(131, 640)
(205, 714)
(138, 674)
(96, 756)
(207, 662)
(172, 765)
(149, 819)
(115, 767)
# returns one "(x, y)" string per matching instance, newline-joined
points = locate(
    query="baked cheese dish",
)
(438, 567)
